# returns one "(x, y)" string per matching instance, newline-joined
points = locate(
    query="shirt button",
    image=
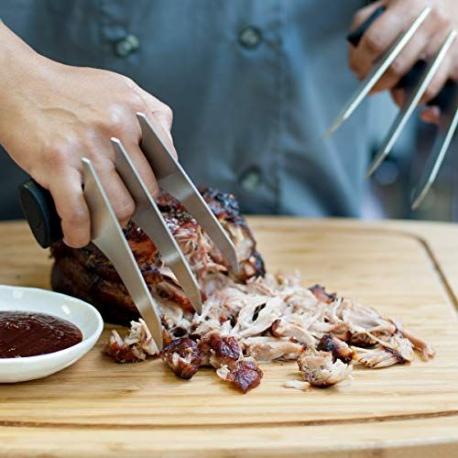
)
(126, 46)
(250, 37)
(250, 179)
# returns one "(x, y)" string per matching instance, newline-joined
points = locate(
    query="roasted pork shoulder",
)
(87, 274)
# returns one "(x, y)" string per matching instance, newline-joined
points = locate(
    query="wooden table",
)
(406, 270)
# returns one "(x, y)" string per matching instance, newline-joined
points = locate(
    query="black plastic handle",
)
(411, 79)
(40, 212)
(355, 37)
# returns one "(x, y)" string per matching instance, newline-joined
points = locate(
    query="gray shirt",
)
(253, 85)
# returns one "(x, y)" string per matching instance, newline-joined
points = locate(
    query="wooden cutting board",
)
(98, 408)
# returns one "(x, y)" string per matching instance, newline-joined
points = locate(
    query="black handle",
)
(355, 37)
(40, 212)
(411, 79)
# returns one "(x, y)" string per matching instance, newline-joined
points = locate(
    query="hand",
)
(398, 16)
(53, 115)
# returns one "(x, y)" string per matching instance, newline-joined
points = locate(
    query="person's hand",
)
(52, 115)
(398, 16)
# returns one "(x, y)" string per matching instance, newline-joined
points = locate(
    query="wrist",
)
(18, 62)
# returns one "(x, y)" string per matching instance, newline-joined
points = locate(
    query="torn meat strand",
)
(244, 376)
(319, 368)
(183, 356)
(136, 346)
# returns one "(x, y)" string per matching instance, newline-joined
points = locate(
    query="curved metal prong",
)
(412, 103)
(149, 218)
(107, 235)
(433, 165)
(368, 84)
(173, 179)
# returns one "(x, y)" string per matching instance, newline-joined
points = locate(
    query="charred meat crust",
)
(224, 205)
(87, 274)
(245, 376)
(338, 348)
(121, 353)
(220, 350)
(183, 356)
(137, 346)
(321, 294)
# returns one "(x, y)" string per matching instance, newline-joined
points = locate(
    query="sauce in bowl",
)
(31, 334)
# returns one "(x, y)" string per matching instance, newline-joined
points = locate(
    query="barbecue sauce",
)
(30, 334)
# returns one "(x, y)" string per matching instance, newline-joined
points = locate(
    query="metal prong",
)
(173, 179)
(411, 104)
(435, 161)
(337, 123)
(368, 84)
(149, 218)
(107, 235)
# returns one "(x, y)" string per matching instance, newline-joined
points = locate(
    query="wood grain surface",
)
(98, 408)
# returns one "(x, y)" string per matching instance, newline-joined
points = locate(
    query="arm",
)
(53, 114)
(398, 16)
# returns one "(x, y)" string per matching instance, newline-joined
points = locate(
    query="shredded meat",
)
(276, 318)
(86, 273)
(183, 356)
(245, 375)
(136, 346)
(319, 368)
(220, 350)
(397, 350)
(320, 293)
(425, 350)
(340, 350)
(248, 317)
(265, 348)
(297, 385)
(282, 328)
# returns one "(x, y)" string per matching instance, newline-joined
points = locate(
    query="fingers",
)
(438, 81)
(67, 192)
(399, 96)
(403, 63)
(94, 142)
(397, 18)
(381, 34)
(143, 167)
(117, 193)
(426, 42)
(157, 112)
(161, 115)
(165, 135)
(162, 112)
(431, 115)
(71, 206)
(445, 70)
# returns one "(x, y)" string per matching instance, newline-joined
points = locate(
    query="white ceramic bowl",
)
(78, 312)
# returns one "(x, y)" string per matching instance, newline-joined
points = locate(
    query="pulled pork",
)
(136, 346)
(87, 274)
(185, 356)
(276, 318)
(321, 369)
(246, 318)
